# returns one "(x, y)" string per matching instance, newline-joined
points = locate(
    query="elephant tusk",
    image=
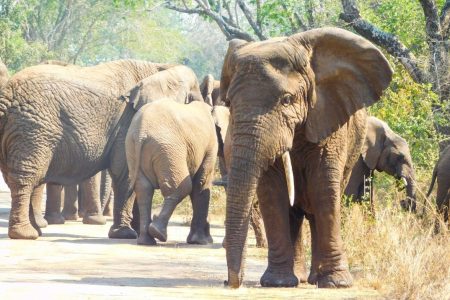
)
(289, 176)
(405, 182)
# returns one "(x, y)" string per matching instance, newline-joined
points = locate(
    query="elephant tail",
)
(133, 159)
(433, 179)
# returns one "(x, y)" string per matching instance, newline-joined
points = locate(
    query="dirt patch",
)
(79, 261)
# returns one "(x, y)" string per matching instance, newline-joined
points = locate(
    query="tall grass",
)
(397, 252)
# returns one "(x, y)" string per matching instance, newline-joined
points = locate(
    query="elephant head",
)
(386, 151)
(4, 76)
(179, 83)
(210, 90)
(305, 86)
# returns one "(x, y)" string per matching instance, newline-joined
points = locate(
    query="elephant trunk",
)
(242, 182)
(411, 193)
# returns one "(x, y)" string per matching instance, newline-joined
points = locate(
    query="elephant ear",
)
(374, 144)
(206, 88)
(221, 116)
(349, 73)
(228, 68)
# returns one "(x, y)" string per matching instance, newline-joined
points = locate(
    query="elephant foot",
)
(122, 232)
(146, 239)
(278, 279)
(157, 230)
(24, 232)
(40, 221)
(54, 218)
(312, 278)
(200, 236)
(70, 217)
(94, 219)
(107, 212)
(335, 279)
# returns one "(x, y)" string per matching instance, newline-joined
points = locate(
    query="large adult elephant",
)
(441, 172)
(384, 151)
(63, 124)
(304, 95)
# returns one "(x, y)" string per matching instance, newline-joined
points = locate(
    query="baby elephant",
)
(172, 147)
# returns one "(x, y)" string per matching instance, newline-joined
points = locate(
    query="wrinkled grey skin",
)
(384, 151)
(62, 125)
(210, 90)
(304, 94)
(441, 173)
(178, 83)
(172, 147)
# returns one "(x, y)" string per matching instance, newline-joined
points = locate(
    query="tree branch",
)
(383, 39)
(248, 15)
(227, 26)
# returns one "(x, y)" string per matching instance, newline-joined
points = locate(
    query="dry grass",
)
(398, 253)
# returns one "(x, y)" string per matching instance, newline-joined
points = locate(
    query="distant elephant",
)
(62, 125)
(179, 83)
(210, 90)
(441, 172)
(384, 151)
(4, 76)
(296, 115)
(90, 201)
(172, 147)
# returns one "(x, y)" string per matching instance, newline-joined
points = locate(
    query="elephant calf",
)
(173, 147)
(384, 151)
(441, 172)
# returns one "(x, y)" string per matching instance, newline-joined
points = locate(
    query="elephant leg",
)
(258, 226)
(106, 193)
(91, 197)
(70, 209)
(332, 263)
(314, 270)
(199, 233)
(124, 197)
(36, 204)
(172, 197)
(53, 206)
(144, 195)
(274, 206)
(442, 202)
(20, 223)
(296, 222)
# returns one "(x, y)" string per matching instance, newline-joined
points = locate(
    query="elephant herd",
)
(287, 121)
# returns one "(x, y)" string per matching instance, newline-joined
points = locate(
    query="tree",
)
(437, 31)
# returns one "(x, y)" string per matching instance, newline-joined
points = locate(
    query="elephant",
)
(441, 173)
(210, 90)
(297, 115)
(173, 147)
(179, 83)
(4, 75)
(62, 125)
(384, 151)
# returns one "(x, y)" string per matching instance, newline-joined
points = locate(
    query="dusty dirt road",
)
(76, 261)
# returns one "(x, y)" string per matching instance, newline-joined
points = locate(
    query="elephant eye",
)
(287, 99)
